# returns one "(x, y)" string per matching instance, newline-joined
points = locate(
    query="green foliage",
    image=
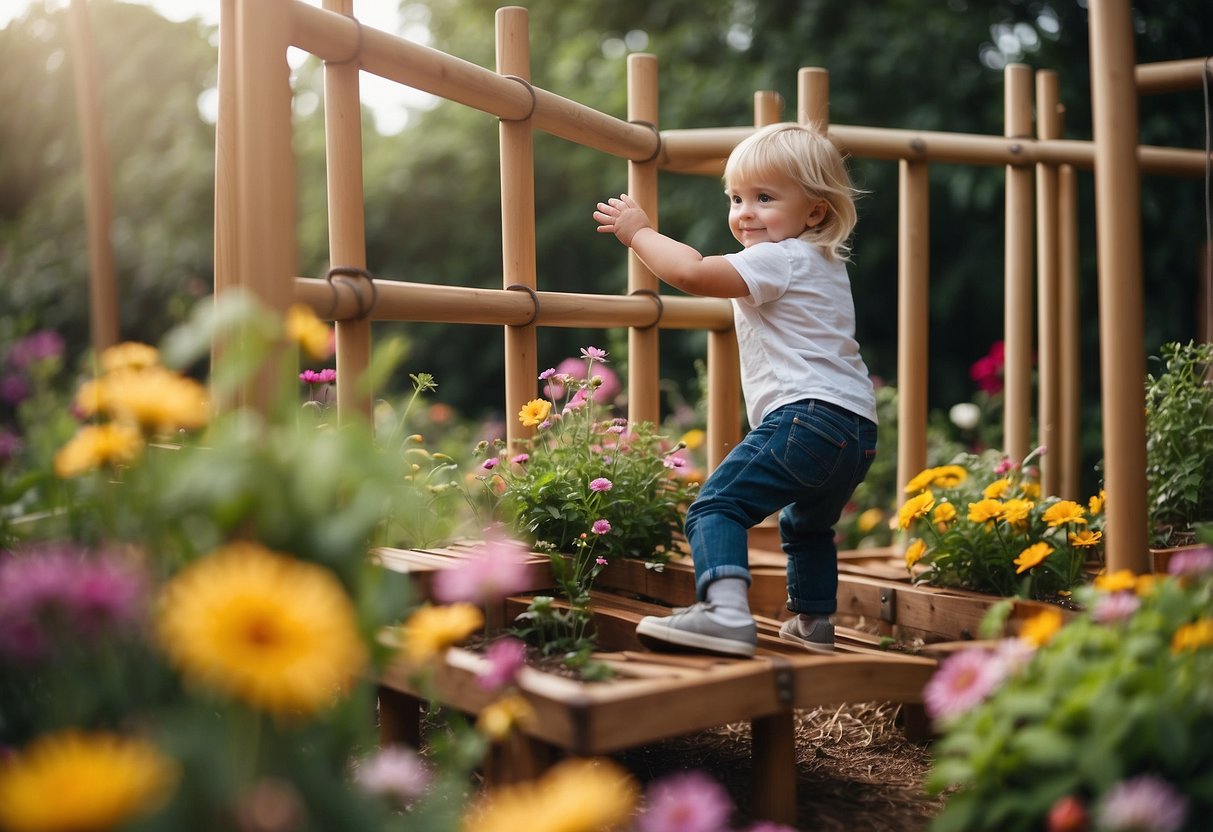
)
(981, 524)
(1121, 691)
(1179, 442)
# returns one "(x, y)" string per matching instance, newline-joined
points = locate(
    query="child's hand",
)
(621, 217)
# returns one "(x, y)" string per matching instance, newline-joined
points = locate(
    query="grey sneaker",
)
(691, 627)
(818, 636)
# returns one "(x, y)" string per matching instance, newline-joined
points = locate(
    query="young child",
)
(809, 400)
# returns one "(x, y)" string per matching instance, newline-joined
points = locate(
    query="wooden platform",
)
(655, 696)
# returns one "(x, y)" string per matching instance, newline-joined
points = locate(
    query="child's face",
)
(771, 210)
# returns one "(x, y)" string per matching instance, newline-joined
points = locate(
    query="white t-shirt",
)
(796, 330)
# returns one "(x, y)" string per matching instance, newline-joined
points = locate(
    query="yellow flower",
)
(1062, 512)
(155, 399)
(869, 519)
(950, 476)
(130, 355)
(497, 720)
(1095, 504)
(1040, 629)
(577, 795)
(920, 481)
(943, 514)
(996, 489)
(915, 551)
(1032, 556)
(97, 445)
(431, 630)
(1145, 584)
(914, 508)
(985, 511)
(534, 412)
(82, 782)
(1015, 511)
(1031, 490)
(309, 332)
(1123, 580)
(278, 633)
(694, 438)
(1085, 538)
(1193, 636)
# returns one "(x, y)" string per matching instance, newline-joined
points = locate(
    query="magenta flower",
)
(504, 658)
(600, 527)
(601, 484)
(688, 801)
(548, 373)
(1003, 467)
(600, 560)
(10, 445)
(577, 401)
(962, 681)
(1192, 562)
(498, 569)
(325, 376)
(397, 772)
(37, 346)
(1114, 606)
(1143, 804)
(489, 464)
(594, 354)
(521, 459)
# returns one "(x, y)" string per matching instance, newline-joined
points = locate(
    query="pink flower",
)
(601, 484)
(489, 464)
(498, 569)
(521, 459)
(1192, 562)
(600, 527)
(1067, 815)
(987, 371)
(1003, 467)
(962, 681)
(688, 801)
(548, 373)
(616, 429)
(37, 346)
(1143, 804)
(396, 772)
(594, 354)
(325, 376)
(600, 560)
(577, 401)
(504, 658)
(1114, 606)
(674, 461)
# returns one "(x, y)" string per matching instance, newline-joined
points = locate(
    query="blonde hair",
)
(805, 156)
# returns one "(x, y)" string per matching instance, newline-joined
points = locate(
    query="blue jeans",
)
(805, 458)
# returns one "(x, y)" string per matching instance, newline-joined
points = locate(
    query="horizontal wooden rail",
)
(703, 150)
(1170, 76)
(422, 302)
(340, 39)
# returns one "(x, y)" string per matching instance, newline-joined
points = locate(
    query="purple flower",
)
(548, 373)
(10, 445)
(1143, 804)
(498, 569)
(1114, 606)
(600, 527)
(1192, 562)
(594, 354)
(504, 658)
(13, 389)
(688, 801)
(521, 459)
(396, 772)
(35, 347)
(616, 429)
(601, 484)
(545, 424)
(962, 681)
(489, 464)
(325, 376)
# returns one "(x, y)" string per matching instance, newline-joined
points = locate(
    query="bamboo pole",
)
(1070, 420)
(265, 255)
(334, 37)
(517, 218)
(1018, 270)
(1169, 76)
(1048, 292)
(1118, 232)
(913, 317)
(347, 223)
(703, 150)
(435, 303)
(98, 206)
(768, 108)
(644, 363)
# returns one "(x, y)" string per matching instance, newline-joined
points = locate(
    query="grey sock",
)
(730, 597)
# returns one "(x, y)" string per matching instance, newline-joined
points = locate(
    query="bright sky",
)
(389, 102)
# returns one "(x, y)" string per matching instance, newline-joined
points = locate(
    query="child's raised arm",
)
(676, 263)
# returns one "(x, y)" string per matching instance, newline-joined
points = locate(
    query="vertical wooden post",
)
(813, 97)
(226, 187)
(265, 171)
(347, 222)
(768, 107)
(644, 369)
(1048, 293)
(517, 218)
(724, 395)
(773, 740)
(1070, 418)
(1018, 265)
(913, 316)
(1118, 232)
(98, 208)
